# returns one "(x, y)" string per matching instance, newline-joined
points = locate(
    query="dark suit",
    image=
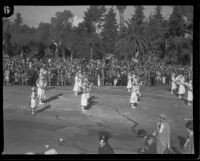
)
(162, 138)
(106, 149)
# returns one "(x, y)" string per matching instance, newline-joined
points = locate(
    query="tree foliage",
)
(98, 35)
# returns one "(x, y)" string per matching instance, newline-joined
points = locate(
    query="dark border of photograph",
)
(196, 85)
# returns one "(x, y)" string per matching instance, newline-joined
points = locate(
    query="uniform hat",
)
(141, 133)
(163, 116)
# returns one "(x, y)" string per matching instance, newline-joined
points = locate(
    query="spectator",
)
(149, 143)
(162, 134)
(104, 146)
(189, 143)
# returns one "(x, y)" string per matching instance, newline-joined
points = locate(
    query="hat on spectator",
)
(141, 133)
(104, 136)
(189, 125)
(163, 116)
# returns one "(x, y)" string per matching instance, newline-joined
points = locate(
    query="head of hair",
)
(189, 125)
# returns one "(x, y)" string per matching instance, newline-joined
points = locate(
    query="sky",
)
(33, 15)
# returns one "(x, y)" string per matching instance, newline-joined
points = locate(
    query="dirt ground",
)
(109, 110)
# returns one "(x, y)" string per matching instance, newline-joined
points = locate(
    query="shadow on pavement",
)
(185, 100)
(44, 108)
(53, 98)
(181, 141)
(91, 102)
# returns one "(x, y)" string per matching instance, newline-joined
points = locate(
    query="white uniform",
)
(76, 85)
(129, 85)
(173, 87)
(99, 81)
(85, 95)
(190, 94)
(41, 84)
(134, 98)
(181, 89)
(33, 100)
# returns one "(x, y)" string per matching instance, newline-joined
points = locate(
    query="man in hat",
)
(162, 134)
(189, 143)
(149, 143)
(104, 146)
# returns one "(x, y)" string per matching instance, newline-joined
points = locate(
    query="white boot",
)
(40, 103)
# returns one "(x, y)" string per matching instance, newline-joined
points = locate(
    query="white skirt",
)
(133, 98)
(174, 86)
(181, 89)
(41, 93)
(33, 103)
(190, 96)
(76, 87)
(84, 99)
(129, 85)
(99, 81)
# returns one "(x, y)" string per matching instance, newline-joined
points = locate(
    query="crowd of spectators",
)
(61, 72)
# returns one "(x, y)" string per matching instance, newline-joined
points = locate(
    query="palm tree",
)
(121, 10)
(136, 39)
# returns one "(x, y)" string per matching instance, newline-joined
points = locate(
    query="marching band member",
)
(129, 82)
(98, 80)
(33, 100)
(138, 86)
(190, 94)
(75, 89)
(41, 84)
(133, 98)
(85, 94)
(181, 89)
(173, 84)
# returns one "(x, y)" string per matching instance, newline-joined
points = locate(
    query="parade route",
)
(108, 110)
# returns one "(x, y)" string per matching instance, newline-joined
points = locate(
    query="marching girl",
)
(85, 94)
(190, 94)
(173, 83)
(129, 82)
(41, 85)
(138, 84)
(181, 89)
(131, 78)
(76, 84)
(133, 98)
(33, 100)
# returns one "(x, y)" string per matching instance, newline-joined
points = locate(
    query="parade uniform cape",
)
(41, 84)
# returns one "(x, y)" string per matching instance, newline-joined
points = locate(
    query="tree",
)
(92, 27)
(136, 39)
(158, 15)
(61, 29)
(121, 10)
(18, 19)
(43, 33)
(109, 33)
(176, 23)
(138, 17)
(93, 19)
(136, 33)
